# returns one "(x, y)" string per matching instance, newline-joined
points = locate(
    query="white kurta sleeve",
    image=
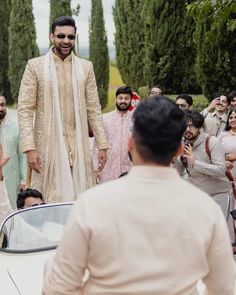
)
(222, 276)
(64, 275)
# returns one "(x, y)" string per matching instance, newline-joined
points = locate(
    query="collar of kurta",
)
(222, 117)
(58, 59)
(121, 114)
(153, 172)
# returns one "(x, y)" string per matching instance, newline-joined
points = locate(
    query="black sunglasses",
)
(63, 36)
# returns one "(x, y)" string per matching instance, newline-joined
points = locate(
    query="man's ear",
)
(51, 37)
(180, 150)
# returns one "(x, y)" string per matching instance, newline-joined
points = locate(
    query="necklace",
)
(232, 132)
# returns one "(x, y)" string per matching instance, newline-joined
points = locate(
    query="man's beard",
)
(190, 136)
(59, 49)
(2, 114)
(125, 107)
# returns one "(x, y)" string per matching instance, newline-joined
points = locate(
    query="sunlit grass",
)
(199, 101)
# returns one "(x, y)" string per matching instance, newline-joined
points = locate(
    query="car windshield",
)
(36, 229)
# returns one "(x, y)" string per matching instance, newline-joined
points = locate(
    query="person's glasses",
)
(38, 204)
(191, 127)
(181, 106)
(63, 36)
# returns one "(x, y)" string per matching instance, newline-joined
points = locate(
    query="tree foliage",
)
(22, 42)
(215, 37)
(98, 50)
(169, 48)
(59, 8)
(5, 17)
(129, 41)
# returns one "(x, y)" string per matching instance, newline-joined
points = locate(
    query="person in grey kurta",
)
(15, 170)
(206, 172)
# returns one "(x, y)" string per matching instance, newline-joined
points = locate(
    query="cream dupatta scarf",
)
(63, 182)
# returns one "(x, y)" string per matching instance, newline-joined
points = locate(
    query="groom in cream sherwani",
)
(60, 90)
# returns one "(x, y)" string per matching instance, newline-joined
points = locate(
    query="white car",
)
(27, 239)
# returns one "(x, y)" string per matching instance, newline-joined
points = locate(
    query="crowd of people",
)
(178, 165)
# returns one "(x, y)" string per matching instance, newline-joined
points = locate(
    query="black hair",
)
(186, 97)
(124, 90)
(156, 86)
(195, 117)
(216, 95)
(227, 127)
(24, 194)
(158, 129)
(63, 21)
(232, 94)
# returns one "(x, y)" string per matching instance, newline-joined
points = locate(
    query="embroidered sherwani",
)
(32, 100)
(117, 128)
(14, 171)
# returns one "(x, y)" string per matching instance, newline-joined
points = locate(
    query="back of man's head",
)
(63, 21)
(124, 90)
(158, 128)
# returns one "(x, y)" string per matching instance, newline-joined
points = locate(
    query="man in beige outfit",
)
(216, 114)
(206, 171)
(61, 89)
(147, 233)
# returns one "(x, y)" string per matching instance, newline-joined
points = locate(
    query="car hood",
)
(25, 271)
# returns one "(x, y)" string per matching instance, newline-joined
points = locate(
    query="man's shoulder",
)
(103, 191)
(83, 61)
(108, 115)
(121, 192)
(11, 120)
(36, 60)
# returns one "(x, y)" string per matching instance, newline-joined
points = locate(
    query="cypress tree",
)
(169, 48)
(59, 8)
(5, 17)
(22, 42)
(216, 45)
(98, 50)
(129, 41)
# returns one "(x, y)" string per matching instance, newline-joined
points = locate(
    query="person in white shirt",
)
(149, 232)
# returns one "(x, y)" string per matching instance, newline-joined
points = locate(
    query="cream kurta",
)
(31, 99)
(213, 123)
(148, 233)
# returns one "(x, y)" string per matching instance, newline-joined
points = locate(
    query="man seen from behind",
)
(149, 232)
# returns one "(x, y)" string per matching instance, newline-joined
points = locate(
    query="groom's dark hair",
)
(63, 21)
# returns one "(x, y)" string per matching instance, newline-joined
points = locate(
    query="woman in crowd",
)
(228, 140)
